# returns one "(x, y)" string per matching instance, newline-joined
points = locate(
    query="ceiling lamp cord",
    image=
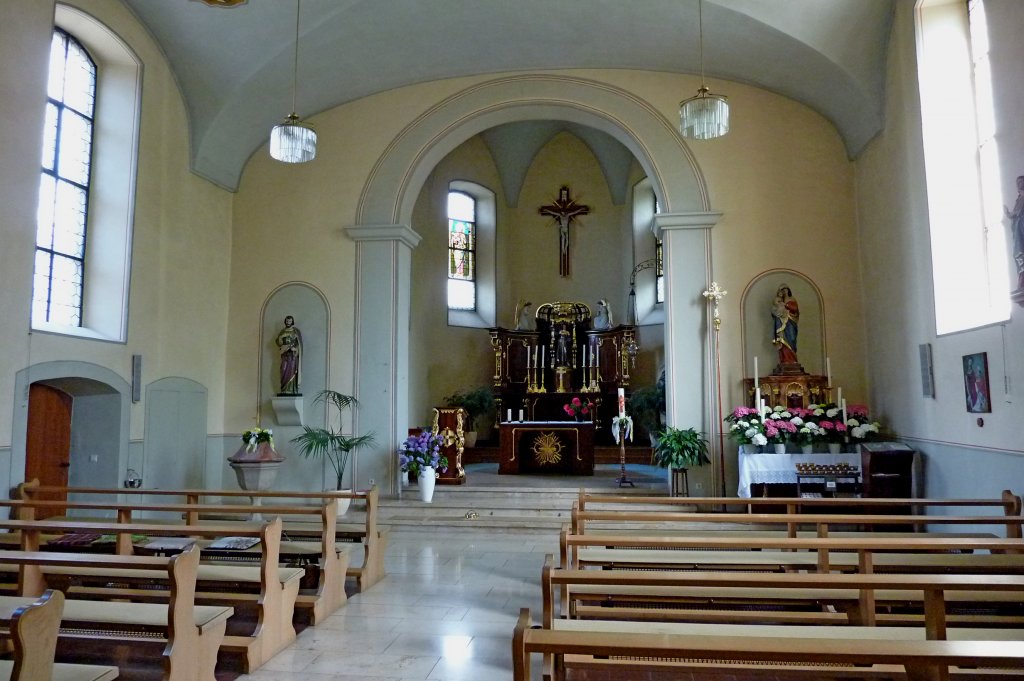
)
(706, 115)
(293, 141)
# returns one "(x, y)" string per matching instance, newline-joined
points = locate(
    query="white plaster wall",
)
(179, 283)
(961, 458)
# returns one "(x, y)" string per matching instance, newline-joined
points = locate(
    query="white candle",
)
(622, 402)
(536, 351)
(828, 372)
(597, 358)
(755, 370)
(843, 405)
(757, 397)
(509, 419)
(762, 408)
(839, 399)
(585, 356)
(528, 353)
(543, 358)
(520, 414)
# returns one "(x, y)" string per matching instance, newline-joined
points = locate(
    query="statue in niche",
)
(524, 316)
(289, 344)
(603, 318)
(563, 349)
(786, 324)
(1016, 218)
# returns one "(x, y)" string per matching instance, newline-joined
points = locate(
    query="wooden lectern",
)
(449, 425)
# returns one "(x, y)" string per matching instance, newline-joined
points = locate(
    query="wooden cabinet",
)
(888, 469)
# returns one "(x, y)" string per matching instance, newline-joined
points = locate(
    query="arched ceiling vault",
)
(234, 66)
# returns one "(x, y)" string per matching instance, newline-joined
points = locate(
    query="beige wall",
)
(181, 240)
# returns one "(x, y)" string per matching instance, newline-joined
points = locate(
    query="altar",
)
(781, 468)
(547, 447)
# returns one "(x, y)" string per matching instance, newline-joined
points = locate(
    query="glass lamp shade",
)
(293, 141)
(705, 116)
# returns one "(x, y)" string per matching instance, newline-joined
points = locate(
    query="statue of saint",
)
(786, 323)
(289, 344)
(603, 318)
(563, 349)
(524, 316)
(1016, 217)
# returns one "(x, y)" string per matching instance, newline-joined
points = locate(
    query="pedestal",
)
(287, 409)
(256, 470)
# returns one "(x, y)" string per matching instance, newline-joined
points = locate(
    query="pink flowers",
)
(578, 407)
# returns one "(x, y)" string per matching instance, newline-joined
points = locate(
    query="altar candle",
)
(585, 357)
(509, 419)
(536, 351)
(528, 353)
(622, 401)
(520, 415)
(828, 372)
(543, 358)
(755, 371)
(763, 408)
(843, 405)
(839, 400)
(757, 398)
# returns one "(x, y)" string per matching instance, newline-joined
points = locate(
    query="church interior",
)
(500, 197)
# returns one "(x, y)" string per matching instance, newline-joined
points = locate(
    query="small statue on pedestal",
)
(289, 343)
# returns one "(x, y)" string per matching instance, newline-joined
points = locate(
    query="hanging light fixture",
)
(293, 141)
(705, 116)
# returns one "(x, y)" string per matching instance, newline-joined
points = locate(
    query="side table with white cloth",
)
(781, 468)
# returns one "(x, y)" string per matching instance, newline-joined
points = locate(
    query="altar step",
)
(503, 510)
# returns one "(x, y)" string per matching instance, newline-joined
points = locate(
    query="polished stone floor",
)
(445, 612)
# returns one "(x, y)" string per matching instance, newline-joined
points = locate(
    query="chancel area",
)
(703, 249)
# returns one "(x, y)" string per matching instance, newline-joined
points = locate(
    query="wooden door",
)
(48, 441)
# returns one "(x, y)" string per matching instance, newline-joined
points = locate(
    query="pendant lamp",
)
(706, 115)
(293, 141)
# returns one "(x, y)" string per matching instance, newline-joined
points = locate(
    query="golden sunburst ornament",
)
(547, 449)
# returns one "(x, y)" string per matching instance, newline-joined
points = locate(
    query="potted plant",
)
(680, 449)
(420, 456)
(332, 444)
(477, 402)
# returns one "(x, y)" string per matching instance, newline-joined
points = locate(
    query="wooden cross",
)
(564, 210)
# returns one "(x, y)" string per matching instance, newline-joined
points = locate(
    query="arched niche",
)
(757, 326)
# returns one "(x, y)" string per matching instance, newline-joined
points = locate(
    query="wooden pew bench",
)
(30, 626)
(372, 537)
(329, 563)
(190, 634)
(265, 589)
(934, 590)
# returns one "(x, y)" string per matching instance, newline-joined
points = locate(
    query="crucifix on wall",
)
(564, 210)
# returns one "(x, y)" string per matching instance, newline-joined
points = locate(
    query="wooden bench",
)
(933, 590)
(317, 602)
(372, 537)
(191, 634)
(267, 589)
(30, 626)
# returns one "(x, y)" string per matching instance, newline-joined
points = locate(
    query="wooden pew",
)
(192, 634)
(372, 537)
(268, 589)
(319, 601)
(933, 590)
(922, 660)
(30, 626)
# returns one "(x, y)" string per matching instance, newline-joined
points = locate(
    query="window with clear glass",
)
(461, 251)
(62, 216)
(968, 246)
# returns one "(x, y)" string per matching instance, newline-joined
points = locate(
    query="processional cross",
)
(564, 210)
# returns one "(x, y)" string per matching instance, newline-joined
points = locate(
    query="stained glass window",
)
(461, 251)
(61, 218)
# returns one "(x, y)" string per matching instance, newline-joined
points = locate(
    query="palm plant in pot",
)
(680, 449)
(647, 405)
(477, 402)
(331, 444)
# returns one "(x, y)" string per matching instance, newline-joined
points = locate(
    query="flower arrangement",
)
(829, 418)
(746, 426)
(860, 426)
(778, 425)
(622, 426)
(420, 452)
(256, 435)
(578, 408)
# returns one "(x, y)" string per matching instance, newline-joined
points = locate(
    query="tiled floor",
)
(445, 612)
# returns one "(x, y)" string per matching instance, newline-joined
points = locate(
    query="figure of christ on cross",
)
(564, 210)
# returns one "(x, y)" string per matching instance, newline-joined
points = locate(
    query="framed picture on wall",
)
(979, 399)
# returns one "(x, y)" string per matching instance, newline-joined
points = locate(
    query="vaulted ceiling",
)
(234, 65)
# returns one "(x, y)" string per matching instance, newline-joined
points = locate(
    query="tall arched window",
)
(87, 182)
(461, 251)
(64, 184)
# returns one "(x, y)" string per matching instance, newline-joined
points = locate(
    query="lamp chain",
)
(700, 38)
(295, 63)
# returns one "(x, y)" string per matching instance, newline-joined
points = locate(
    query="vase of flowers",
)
(256, 463)
(420, 456)
(779, 428)
(746, 426)
(579, 409)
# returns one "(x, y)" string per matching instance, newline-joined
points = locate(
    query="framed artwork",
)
(927, 375)
(976, 391)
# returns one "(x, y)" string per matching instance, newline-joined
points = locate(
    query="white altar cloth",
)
(781, 468)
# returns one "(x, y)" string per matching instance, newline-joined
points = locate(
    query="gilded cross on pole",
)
(564, 210)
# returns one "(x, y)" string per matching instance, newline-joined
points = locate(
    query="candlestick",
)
(622, 401)
(828, 372)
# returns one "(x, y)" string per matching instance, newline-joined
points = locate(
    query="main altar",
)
(538, 370)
